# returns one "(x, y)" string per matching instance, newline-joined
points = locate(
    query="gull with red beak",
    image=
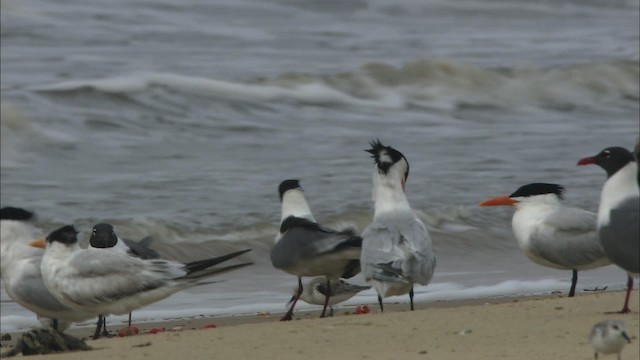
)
(551, 234)
(618, 214)
(396, 246)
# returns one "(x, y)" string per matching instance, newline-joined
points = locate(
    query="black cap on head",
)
(288, 185)
(385, 156)
(66, 235)
(103, 236)
(539, 189)
(14, 213)
(613, 159)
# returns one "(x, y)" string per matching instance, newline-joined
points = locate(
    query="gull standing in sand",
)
(107, 282)
(619, 211)
(608, 337)
(396, 248)
(551, 234)
(315, 292)
(304, 248)
(104, 238)
(21, 274)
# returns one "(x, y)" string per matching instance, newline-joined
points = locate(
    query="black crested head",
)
(103, 236)
(613, 159)
(66, 235)
(386, 156)
(539, 189)
(14, 213)
(288, 185)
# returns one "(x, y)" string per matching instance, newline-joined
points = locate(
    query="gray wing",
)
(94, 277)
(621, 237)
(141, 249)
(569, 239)
(299, 244)
(397, 250)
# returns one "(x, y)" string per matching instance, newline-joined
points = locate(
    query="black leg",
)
(96, 335)
(380, 302)
(326, 298)
(54, 324)
(331, 310)
(104, 327)
(129, 319)
(411, 297)
(289, 315)
(574, 281)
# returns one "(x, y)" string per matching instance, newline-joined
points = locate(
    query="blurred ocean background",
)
(180, 119)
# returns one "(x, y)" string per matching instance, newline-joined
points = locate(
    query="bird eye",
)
(607, 153)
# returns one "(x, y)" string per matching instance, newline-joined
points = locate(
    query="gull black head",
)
(385, 157)
(610, 159)
(14, 213)
(288, 185)
(534, 189)
(66, 235)
(103, 236)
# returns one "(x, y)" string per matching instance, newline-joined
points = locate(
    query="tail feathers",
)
(197, 266)
(386, 272)
(352, 269)
(210, 272)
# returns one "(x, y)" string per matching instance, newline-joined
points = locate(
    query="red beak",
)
(499, 201)
(587, 161)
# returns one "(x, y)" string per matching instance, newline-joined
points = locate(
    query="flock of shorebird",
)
(63, 283)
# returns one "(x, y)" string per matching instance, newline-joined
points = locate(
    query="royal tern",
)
(619, 211)
(304, 248)
(20, 270)
(315, 292)
(107, 282)
(396, 246)
(551, 234)
(608, 337)
(104, 238)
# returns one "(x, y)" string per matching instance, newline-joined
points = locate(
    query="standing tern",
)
(619, 211)
(396, 246)
(104, 238)
(107, 282)
(551, 234)
(21, 275)
(608, 337)
(304, 248)
(315, 292)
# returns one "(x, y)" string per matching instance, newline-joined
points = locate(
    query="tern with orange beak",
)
(396, 246)
(619, 211)
(551, 234)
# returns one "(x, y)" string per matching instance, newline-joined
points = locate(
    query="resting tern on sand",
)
(608, 337)
(619, 211)
(304, 248)
(551, 234)
(107, 282)
(396, 246)
(315, 292)
(104, 238)
(20, 270)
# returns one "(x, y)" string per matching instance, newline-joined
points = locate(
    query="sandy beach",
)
(546, 327)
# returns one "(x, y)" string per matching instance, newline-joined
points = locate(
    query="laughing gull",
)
(551, 234)
(305, 248)
(619, 211)
(396, 248)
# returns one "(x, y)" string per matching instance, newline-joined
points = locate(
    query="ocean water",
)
(180, 119)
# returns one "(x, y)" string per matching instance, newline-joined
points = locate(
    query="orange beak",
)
(39, 243)
(499, 201)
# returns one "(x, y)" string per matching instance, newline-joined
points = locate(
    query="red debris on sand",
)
(155, 331)
(128, 331)
(362, 309)
(208, 326)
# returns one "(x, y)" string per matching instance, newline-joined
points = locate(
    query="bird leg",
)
(380, 302)
(96, 335)
(326, 298)
(129, 319)
(625, 309)
(54, 324)
(411, 297)
(289, 315)
(574, 281)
